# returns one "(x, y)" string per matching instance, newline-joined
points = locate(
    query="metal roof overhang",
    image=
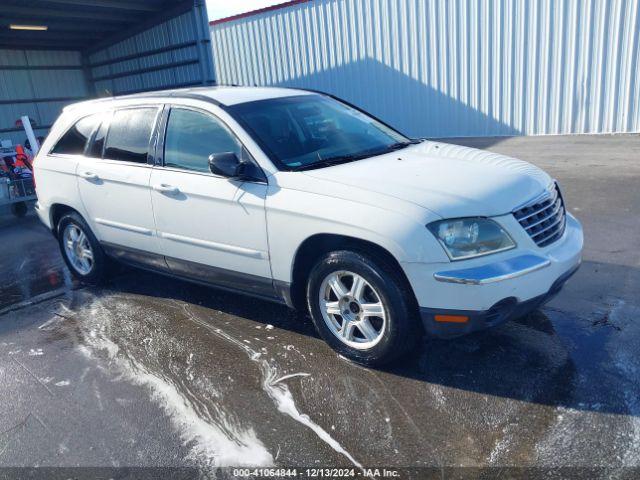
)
(84, 25)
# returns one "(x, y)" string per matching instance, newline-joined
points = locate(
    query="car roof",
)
(220, 95)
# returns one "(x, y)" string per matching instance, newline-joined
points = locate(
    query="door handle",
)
(168, 189)
(89, 176)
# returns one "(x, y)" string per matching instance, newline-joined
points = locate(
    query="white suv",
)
(298, 197)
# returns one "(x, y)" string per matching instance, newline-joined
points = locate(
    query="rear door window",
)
(129, 134)
(74, 141)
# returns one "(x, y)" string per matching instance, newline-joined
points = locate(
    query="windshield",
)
(312, 131)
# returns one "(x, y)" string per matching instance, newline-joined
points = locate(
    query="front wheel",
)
(362, 308)
(80, 249)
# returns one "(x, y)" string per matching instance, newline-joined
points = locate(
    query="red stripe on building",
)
(257, 12)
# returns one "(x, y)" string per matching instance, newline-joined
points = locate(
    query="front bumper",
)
(471, 295)
(503, 311)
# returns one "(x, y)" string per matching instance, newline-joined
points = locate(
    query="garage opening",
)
(56, 52)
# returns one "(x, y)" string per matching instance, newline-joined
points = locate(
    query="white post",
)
(26, 124)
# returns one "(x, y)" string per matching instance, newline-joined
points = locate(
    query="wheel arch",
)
(317, 245)
(56, 212)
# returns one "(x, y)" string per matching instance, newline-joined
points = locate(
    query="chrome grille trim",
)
(541, 202)
(544, 219)
(554, 213)
(543, 241)
(556, 222)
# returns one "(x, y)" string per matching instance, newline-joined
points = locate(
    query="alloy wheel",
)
(78, 249)
(352, 309)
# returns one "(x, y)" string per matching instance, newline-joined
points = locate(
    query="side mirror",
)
(227, 164)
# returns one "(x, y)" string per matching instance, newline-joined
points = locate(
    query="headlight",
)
(470, 237)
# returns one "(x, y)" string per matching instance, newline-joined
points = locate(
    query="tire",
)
(396, 330)
(97, 270)
(19, 209)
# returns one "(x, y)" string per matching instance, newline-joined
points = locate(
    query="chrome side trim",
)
(494, 272)
(123, 226)
(247, 252)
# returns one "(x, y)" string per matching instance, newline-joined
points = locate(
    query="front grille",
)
(544, 219)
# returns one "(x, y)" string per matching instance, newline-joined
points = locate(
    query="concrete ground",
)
(150, 371)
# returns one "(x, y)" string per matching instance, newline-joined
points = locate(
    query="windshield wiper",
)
(401, 145)
(340, 159)
(331, 161)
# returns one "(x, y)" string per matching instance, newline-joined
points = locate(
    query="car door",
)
(211, 228)
(113, 180)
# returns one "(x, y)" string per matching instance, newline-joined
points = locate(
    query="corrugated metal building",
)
(95, 48)
(450, 67)
(38, 84)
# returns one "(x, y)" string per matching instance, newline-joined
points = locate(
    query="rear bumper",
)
(42, 214)
(504, 310)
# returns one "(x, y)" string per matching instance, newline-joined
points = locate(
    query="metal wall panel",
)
(53, 57)
(164, 56)
(451, 67)
(37, 83)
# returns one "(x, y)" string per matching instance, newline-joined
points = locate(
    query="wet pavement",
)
(30, 267)
(151, 371)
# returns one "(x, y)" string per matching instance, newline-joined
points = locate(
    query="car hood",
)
(449, 180)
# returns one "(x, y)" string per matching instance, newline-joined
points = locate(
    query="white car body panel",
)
(449, 180)
(57, 173)
(212, 221)
(257, 228)
(118, 202)
(324, 207)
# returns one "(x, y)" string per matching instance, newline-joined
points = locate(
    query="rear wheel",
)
(361, 308)
(80, 249)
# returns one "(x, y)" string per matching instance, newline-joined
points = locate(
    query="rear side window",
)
(192, 136)
(129, 134)
(74, 141)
